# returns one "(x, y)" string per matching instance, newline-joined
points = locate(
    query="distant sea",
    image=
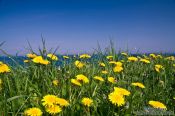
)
(19, 59)
(12, 61)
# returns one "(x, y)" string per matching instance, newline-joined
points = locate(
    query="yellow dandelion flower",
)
(26, 61)
(79, 64)
(31, 55)
(33, 112)
(54, 109)
(45, 62)
(99, 78)
(40, 60)
(123, 53)
(104, 72)
(52, 56)
(111, 79)
(158, 67)
(132, 59)
(62, 102)
(117, 69)
(66, 57)
(49, 100)
(157, 104)
(121, 91)
(102, 64)
(145, 61)
(85, 56)
(4, 68)
(55, 82)
(152, 55)
(138, 84)
(75, 82)
(109, 57)
(116, 98)
(87, 101)
(112, 62)
(170, 58)
(116, 63)
(83, 78)
(159, 56)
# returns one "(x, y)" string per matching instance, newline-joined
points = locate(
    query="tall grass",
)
(25, 85)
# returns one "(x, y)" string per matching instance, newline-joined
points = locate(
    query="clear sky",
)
(77, 25)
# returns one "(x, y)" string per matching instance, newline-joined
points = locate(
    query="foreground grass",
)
(24, 87)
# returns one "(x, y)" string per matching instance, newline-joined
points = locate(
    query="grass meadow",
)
(109, 83)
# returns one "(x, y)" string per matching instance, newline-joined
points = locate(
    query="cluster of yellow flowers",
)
(40, 60)
(79, 64)
(117, 97)
(158, 67)
(87, 101)
(54, 104)
(154, 56)
(80, 78)
(132, 59)
(117, 66)
(4, 68)
(144, 61)
(52, 56)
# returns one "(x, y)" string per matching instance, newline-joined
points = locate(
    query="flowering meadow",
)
(98, 84)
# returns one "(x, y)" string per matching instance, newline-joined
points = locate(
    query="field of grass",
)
(100, 84)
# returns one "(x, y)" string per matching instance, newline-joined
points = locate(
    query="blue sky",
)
(77, 25)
